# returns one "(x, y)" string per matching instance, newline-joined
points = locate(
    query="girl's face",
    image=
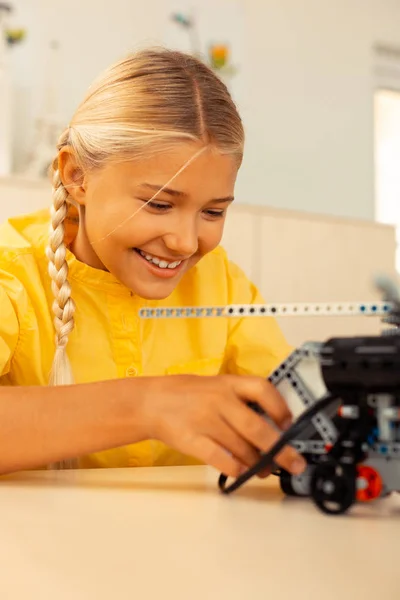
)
(151, 251)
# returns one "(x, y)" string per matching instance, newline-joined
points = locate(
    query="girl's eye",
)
(162, 207)
(215, 213)
(158, 206)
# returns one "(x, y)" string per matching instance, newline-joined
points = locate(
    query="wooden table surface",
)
(168, 533)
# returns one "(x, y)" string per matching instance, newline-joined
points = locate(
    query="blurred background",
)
(317, 83)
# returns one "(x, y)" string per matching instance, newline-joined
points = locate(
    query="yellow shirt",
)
(109, 339)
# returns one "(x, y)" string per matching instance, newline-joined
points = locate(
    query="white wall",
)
(305, 87)
(310, 118)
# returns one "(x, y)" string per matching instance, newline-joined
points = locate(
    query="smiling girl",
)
(142, 181)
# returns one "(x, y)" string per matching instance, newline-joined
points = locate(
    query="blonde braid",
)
(63, 305)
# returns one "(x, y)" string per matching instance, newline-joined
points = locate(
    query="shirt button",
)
(131, 371)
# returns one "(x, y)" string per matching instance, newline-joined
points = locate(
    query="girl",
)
(142, 181)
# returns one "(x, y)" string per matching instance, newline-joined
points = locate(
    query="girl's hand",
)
(208, 418)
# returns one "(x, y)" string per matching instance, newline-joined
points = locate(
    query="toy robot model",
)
(345, 395)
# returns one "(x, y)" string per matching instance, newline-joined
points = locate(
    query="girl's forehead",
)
(210, 168)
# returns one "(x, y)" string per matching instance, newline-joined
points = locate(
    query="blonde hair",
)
(143, 104)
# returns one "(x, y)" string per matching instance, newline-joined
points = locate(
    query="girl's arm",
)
(204, 417)
(40, 425)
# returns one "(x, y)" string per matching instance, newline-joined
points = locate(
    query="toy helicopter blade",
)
(275, 310)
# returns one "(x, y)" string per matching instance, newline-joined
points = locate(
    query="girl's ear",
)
(71, 175)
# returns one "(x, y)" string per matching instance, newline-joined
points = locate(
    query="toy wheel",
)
(285, 479)
(369, 483)
(333, 488)
(295, 485)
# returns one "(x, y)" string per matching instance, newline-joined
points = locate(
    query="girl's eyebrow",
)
(165, 190)
(179, 194)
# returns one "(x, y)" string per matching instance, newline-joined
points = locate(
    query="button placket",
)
(125, 338)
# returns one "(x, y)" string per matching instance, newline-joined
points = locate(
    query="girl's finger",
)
(211, 453)
(260, 434)
(255, 389)
(234, 443)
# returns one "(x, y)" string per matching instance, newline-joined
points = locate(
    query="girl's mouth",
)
(160, 266)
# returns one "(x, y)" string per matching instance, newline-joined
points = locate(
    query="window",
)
(387, 160)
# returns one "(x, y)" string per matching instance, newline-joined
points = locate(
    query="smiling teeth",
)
(163, 264)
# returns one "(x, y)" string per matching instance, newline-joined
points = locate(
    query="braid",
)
(63, 305)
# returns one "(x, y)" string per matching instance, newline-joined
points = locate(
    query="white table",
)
(168, 533)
